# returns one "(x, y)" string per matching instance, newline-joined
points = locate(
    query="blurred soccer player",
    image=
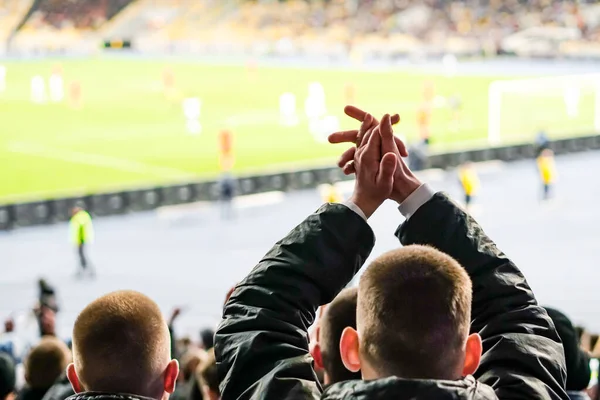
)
(287, 110)
(56, 84)
(547, 170)
(38, 90)
(192, 108)
(82, 233)
(469, 181)
(331, 194)
(226, 164)
(75, 95)
(350, 93)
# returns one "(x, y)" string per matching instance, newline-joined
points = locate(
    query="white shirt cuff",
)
(356, 209)
(412, 203)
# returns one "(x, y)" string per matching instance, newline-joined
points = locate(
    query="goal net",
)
(557, 105)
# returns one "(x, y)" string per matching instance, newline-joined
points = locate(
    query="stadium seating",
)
(11, 14)
(375, 28)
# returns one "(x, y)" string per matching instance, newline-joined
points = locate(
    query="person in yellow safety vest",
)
(547, 170)
(82, 233)
(469, 181)
(331, 194)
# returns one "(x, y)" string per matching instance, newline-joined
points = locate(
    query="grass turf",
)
(130, 133)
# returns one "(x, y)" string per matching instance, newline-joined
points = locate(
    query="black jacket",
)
(60, 390)
(262, 346)
(106, 396)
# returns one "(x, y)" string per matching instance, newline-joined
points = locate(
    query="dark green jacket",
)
(262, 343)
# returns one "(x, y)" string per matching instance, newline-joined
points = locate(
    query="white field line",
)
(97, 160)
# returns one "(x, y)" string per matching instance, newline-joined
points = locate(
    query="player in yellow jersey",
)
(331, 194)
(82, 233)
(469, 181)
(547, 170)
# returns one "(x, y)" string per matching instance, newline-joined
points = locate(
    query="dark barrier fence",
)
(115, 203)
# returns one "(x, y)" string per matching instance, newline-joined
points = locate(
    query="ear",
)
(473, 351)
(171, 373)
(74, 379)
(317, 356)
(349, 349)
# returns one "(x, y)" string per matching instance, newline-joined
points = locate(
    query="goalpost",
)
(559, 104)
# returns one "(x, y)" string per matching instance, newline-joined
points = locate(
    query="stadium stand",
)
(12, 13)
(377, 28)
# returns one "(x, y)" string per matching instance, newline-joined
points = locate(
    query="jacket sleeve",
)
(261, 345)
(522, 354)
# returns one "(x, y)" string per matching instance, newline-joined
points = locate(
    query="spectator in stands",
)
(7, 377)
(578, 361)
(338, 315)
(207, 338)
(261, 345)
(208, 377)
(121, 344)
(43, 366)
(186, 382)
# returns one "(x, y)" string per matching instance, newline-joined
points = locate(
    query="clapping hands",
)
(376, 159)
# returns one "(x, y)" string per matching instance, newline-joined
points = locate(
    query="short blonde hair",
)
(414, 313)
(121, 344)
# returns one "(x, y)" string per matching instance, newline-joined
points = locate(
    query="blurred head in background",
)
(578, 361)
(208, 379)
(338, 315)
(190, 362)
(207, 338)
(43, 366)
(121, 344)
(7, 377)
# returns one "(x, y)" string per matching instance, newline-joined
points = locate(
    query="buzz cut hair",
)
(339, 314)
(121, 344)
(414, 313)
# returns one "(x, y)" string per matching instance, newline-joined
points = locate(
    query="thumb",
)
(387, 168)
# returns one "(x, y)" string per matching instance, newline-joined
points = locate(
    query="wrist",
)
(367, 206)
(403, 189)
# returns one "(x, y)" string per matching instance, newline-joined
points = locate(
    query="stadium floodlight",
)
(561, 104)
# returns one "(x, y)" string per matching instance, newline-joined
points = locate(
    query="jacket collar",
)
(106, 396)
(397, 388)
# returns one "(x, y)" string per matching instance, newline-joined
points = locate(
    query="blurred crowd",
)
(348, 28)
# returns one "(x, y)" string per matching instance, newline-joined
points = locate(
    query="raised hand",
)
(404, 180)
(374, 171)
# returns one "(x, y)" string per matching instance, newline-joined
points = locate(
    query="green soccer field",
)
(130, 133)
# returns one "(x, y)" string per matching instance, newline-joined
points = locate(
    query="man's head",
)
(208, 378)
(46, 362)
(189, 363)
(9, 325)
(577, 360)
(121, 344)
(7, 377)
(413, 318)
(338, 315)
